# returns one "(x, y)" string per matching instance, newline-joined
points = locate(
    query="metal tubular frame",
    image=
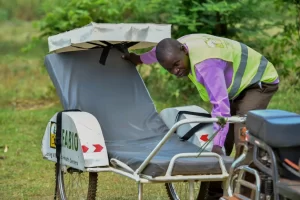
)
(256, 187)
(142, 179)
(194, 155)
(273, 172)
(229, 182)
(173, 129)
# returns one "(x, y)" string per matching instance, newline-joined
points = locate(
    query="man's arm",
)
(149, 57)
(146, 58)
(210, 73)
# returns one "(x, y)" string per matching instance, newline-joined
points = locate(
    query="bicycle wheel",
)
(180, 190)
(76, 184)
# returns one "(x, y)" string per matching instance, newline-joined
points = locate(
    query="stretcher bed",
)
(109, 121)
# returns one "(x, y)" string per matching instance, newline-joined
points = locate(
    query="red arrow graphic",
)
(204, 137)
(84, 148)
(98, 147)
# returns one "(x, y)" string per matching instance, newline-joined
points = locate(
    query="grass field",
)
(26, 106)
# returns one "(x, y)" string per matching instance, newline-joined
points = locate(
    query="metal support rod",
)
(140, 191)
(117, 163)
(228, 185)
(241, 197)
(191, 187)
(160, 179)
(244, 169)
(247, 184)
(194, 155)
(172, 130)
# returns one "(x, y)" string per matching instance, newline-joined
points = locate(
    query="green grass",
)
(24, 173)
(27, 104)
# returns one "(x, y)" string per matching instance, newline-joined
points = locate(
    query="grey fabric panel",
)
(135, 152)
(116, 95)
(277, 128)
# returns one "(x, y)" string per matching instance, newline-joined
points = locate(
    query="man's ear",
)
(183, 48)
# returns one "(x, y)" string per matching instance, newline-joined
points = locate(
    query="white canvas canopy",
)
(95, 35)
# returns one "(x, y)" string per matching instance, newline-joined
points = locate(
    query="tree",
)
(272, 31)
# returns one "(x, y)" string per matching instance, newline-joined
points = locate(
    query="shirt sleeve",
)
(210, 73)
(149, 57)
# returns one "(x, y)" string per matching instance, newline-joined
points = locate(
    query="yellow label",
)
(52, 135)
(213, 42)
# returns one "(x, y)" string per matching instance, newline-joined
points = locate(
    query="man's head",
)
(173, 56)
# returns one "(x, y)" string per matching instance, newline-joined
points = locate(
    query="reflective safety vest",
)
(249, 66)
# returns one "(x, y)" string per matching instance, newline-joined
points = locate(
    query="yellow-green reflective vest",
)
(249, 66)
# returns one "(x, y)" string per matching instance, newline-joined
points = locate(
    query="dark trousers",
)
(252, 98)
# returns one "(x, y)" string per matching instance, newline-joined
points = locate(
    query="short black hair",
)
(166, 47)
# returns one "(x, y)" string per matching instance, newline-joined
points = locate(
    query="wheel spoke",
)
(180, 190)
(75, 184)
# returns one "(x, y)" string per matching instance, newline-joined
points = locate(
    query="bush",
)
(272, 31)
(27, 10)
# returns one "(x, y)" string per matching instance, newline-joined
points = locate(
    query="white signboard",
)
(82, 141)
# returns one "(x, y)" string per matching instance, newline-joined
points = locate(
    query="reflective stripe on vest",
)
(241, 70)
(261, 69)
(249, 66)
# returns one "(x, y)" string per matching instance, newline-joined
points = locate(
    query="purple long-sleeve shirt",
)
(207, 72)
(216, 76)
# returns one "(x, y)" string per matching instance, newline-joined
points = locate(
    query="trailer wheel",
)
(180, 190)
(76, 184)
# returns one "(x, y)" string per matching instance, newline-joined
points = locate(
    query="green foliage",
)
(271, 31)
(27, 10)
(210, 17)
(3, 14)
(285, 45)
(77, 13)
(223, 18)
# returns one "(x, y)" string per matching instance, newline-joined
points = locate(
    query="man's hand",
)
(218, 150)
(132, 57)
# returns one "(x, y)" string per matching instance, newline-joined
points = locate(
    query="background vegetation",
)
(28, 99)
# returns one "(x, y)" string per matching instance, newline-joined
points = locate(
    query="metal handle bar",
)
(173, 129)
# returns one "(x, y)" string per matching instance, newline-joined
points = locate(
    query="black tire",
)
(174, 193)
(89, 187)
